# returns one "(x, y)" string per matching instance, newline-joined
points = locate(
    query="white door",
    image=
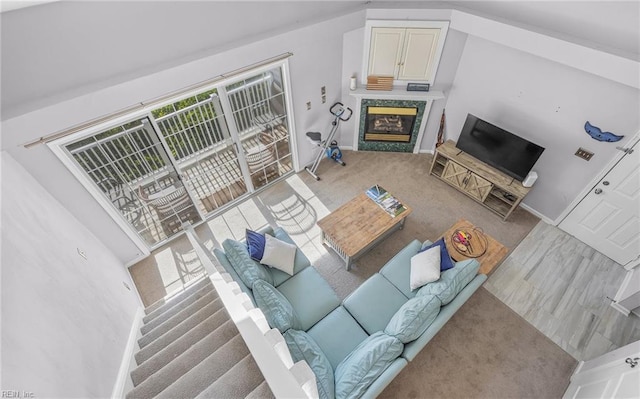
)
(608, 218)
(418, 55)
(385, 52)
(610, 376)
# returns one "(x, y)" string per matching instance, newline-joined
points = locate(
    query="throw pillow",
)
(276, 308)
(365, 364)
(446, 262)
(255, 244)
(452, 281)
(303, 347)
(425, 268)
(248, 269)
(279, 254)
(413, 318)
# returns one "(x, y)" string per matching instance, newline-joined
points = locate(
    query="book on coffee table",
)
(385, 200)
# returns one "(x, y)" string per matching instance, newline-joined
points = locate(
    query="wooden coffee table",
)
(357, 226)
(493, 255)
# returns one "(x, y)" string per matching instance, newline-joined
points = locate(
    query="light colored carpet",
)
(486, 350)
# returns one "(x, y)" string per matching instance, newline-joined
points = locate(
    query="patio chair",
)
(262, 159)
(173, 206)
(123, 200)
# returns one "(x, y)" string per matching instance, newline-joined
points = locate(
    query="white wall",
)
(316, 62)
(547, 103)
(65, 320)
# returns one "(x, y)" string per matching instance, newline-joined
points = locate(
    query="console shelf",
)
(495, 190)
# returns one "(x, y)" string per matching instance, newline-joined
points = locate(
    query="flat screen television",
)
(497, 147)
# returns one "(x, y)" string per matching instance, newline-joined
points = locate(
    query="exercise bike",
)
(329, 147)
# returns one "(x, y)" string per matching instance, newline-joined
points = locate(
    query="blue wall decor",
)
(599, 135)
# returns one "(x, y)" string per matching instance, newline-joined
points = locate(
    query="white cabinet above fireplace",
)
(406, 50)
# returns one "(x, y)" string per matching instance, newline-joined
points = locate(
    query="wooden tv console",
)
(490, 187)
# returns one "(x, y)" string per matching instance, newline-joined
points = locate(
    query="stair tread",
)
(176, 319)
(176, 332)
(163, 357)
(238, 382)
(183, 364)
(168, 302)
(169, 312)
(262, 391)
(207, 371)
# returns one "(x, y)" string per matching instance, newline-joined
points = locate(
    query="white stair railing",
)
(268, 348)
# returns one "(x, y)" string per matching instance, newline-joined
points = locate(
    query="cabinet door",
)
(477, 187)
(386, 49)
(455, 174)
(418, 54)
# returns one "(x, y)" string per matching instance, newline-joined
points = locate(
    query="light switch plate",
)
(584, 154)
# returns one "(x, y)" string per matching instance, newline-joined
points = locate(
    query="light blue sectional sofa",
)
(358, 346)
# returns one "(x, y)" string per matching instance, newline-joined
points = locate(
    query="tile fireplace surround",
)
(398, 98)
(389, 145)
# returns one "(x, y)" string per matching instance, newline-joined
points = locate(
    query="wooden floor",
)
(562, 287)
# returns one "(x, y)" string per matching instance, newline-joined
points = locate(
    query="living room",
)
(545, 99)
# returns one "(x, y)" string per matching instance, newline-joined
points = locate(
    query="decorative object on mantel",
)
(599, 135)
(353, 83)
(440, 140)
(418, 86)
(376, 82)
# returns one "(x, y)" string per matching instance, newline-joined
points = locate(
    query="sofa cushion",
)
(279, 254)
(255, 244)
(413, 318)
(446, 262)
(303, 347)
(425, 268)
(337, 335)
(398, 269)
(365, 363)
(300, 261)
(248, 269)
(276, 308)
(452, 281)
(310, 295)
(224, 261)
(374, 303)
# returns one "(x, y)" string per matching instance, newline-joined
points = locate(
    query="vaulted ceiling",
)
(58, 49)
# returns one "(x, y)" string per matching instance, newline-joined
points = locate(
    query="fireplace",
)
(394, 124)
(390, 124)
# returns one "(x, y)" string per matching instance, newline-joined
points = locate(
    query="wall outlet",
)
(82, 253)
(324, 99)
(323, 90)
(584, 154)
(308, 105)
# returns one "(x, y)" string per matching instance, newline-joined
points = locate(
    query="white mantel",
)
(397, 93)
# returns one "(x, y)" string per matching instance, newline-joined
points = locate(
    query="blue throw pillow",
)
(303, 347)
(446, 262)
(255, 244)
(275, 307)
(365, 364)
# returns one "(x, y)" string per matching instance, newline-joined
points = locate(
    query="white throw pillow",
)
(425, 267)
(279, 254)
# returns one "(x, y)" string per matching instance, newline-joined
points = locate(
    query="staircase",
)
(190, 348)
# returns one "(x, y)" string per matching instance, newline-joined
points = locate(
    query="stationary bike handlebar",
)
(338, 110)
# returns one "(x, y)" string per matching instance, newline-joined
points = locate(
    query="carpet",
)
(485, 351)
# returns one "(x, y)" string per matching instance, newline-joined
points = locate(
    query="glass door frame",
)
(58, 147)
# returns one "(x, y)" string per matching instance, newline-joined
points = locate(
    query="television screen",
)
(505, 151)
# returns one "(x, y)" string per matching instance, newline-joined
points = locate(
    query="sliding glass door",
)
(188, 157)
(260, 117)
